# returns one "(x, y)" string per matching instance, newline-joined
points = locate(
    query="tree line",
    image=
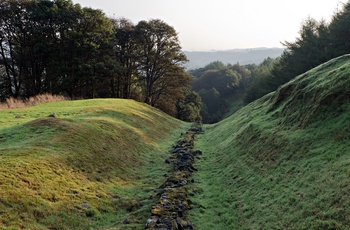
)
(55, 46)
(221, 88)
(224, 88)
(317, 43)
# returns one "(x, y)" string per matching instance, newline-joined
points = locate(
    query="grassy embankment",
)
(282, 162)
(94, 166)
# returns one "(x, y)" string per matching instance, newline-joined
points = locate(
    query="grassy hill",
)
(282, 162)
(94, 166)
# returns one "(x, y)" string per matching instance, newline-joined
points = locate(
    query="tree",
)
(126, 55)
(339, 32)
(169, 90)
(216, 65)
(258, 84)
(51, 46)
(13, 34)
(83, 39)
(55, 46)
(245, 74)
(308, 51)
(220, 87)
(215, 106)
(189, 108)
(160, 57)
(224, 80)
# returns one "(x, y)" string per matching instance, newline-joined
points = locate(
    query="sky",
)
(204, 25)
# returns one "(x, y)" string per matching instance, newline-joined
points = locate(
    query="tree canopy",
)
(51, 46)
(218, 85)
(160, 57)
(317, 43)
(55, 46)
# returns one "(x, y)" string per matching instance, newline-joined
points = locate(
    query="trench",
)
(171, 211)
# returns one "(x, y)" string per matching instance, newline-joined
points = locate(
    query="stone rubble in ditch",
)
(170, 213)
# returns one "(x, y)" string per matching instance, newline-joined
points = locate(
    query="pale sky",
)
(224, 24)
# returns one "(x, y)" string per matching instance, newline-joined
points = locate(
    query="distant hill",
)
(281, 162)
(199, 59)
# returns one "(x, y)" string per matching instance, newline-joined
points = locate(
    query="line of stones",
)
(170, 213)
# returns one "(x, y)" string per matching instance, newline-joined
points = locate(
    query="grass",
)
(94, 166)
(282, 162)
(12, 103)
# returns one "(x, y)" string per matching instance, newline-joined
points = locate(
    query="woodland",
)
(60, 48)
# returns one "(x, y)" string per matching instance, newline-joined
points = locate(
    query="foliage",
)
(61, 48)
(257, 85)
(317, 43)
(339, 34)
(51, 46)
(189, 108)
(123, 84)
(217, 65)
(161, 57)
(217, 84)
(224, 81)
(214, 105)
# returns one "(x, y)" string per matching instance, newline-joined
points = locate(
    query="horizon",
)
(224, 25)
(234, 49)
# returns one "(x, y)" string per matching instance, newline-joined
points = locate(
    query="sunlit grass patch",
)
(282, 162)
(93, 166)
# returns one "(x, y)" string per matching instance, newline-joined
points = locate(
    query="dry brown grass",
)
(12, 103)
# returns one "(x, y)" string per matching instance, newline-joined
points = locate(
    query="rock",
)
(183, 183)
(168, 160)
(151, 222)
(171, 210)
(54, 115)
(189, 226)
(180, 223)
(126, 221)
(197, 152)
(85, 205)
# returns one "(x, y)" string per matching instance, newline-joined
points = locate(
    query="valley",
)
(280, 162)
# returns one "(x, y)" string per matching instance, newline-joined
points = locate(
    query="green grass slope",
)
(282, 162)
(93, 167)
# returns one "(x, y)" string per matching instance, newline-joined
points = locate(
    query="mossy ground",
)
(94, 166)
(282, 162)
